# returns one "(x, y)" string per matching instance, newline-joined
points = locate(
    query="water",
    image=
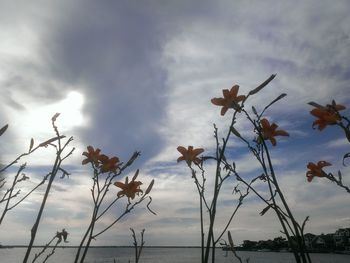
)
(164, 255)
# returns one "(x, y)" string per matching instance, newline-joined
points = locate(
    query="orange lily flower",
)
(269, 131)
(129, 189)
(92, 155)
(109, 164)
(189, 155)
(328, 115)
(316, 170)
(230, 100)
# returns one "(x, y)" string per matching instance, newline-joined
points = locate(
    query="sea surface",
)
(164, 255)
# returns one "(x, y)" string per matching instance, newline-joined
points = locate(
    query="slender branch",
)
(108, 207)
(43, 250)
(128, 208)
(240, 202)
(31, 191)
(10, 193)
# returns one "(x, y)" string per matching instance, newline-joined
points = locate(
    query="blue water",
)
(164, 255)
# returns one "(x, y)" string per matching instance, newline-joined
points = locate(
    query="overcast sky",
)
(139, 75)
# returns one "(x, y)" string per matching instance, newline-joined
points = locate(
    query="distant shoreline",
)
(25, 246)
(198, 247)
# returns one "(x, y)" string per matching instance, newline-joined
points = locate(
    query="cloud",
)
(146, 73)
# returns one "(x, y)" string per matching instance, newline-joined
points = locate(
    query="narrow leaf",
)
(51, 140)
(31, 144)
(135, 176)
(149, 188)
(277, 99)
(3, 129)
(235, 132)
(304, 223)
(230, 239)
(265, 210)
(340, 176)
(316, 105)
(262, 85)
(254, 110)
(149, 209)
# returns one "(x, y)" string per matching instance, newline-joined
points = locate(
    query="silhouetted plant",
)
(138, 246)
(59, 236)
(258, 147)
(208, 239)
(230, 247)
(329, 115)
(105, 172)
(11, 193)
(60, 147)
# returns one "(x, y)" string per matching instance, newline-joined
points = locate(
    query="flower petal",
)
(218, 101)
(265, 123)
(120, 185)
(182, 150)
(273, 141)
(226, 93)
(234, 91)
(223, 110)
(197, 151)
(281, 133)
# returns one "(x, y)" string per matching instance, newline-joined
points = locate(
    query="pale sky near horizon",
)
(139, 75)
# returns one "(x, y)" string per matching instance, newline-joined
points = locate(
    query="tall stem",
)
(36, 224)
(285, 204)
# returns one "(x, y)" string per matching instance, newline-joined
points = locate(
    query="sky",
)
(139, 75)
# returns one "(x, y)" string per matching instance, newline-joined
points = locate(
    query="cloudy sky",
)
(139, 75)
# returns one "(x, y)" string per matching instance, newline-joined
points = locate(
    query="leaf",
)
(149, 209)
(31, 144)
(262, 85)
(235, 132)
(230, 239)
(149, 188)
(135, 176)
(314, 104)
(304, 223)
(254, 110)
(277, 99)
(265, 210)
(51, 140)
(3, 129)
(340, 176)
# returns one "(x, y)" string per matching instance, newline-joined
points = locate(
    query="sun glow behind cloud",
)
(37, 117)
(35, 120)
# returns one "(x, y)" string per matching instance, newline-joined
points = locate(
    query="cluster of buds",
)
(101, 161)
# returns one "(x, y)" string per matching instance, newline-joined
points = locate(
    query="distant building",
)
(248, 244)
(308, 240)
(342, 238)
